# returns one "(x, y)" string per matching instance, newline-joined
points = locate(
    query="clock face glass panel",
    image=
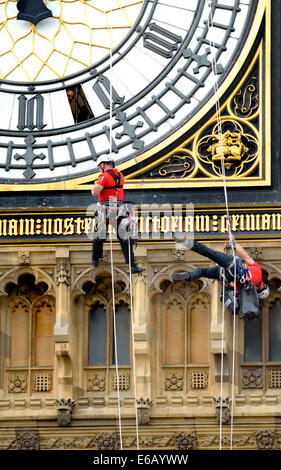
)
(78, 34)
(149, 70)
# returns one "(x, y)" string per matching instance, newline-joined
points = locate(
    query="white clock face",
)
(157, 76)
(79, 34)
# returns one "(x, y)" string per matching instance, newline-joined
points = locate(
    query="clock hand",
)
(33, 11)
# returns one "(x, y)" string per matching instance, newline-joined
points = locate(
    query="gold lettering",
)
(147, 224)
(13, 227)
(79, 225)
(89, 225)
(155, 224)
(165, 224)
(202, 223)
(189, 223)
(29, 227)
(276, 218)
(21, 227)
(250, 222)
(265, 221)
(68, 226)
(58, 226)
(223, 224)
(258, 222)
(38, 226)
(242, 226)
(176, 223)
(47, 227)
(235, 222)
(3, 227)
(215, 223)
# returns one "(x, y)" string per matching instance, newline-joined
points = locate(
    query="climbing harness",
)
(121, 215)
(117, 179)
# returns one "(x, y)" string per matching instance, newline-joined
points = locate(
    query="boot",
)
(135, 269)
(181, 276)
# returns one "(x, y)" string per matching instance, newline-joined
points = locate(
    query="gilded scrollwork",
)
(245, 104)
(181, 164)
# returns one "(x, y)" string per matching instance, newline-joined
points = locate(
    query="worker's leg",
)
(197, 273)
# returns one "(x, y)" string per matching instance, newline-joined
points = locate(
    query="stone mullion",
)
(141, 345)
(63, 364)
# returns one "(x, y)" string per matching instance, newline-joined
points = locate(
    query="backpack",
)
(249, 301)
(246, 301)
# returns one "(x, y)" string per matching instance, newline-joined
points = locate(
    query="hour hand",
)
(33, 11)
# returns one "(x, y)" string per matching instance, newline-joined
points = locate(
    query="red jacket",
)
(107, 181)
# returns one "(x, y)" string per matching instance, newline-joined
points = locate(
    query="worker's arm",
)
(96, 189)
(242, 253)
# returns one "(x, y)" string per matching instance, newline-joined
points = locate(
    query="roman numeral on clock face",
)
(31, 112)
(107, 93)
(164, 42)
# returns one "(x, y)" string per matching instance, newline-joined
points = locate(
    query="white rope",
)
(133, 341)
(222, 365)
(112, 272)
(115, 346)
(219, 130)
(113, 299)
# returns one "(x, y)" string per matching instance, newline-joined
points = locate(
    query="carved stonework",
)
(199, 379)
(96, 382)
(186, 289)
(42, 382)
(265, 440)
(144, 411)
(23, 257)
(63, 276)
(27, 441)
(274, 378)
(102, 288)
(186, 441)
(64, 408)
(222, 409)
(252, 377)
(17, 383)
(124, 381)
(257, 253)
(107, 441)
(179, 254)
(174, 381)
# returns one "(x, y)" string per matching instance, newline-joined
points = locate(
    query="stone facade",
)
(45, 309)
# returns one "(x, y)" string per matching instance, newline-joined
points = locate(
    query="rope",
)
(115, 345)
(133, 345)
(219, 130)
(112, 271)
(113, 299)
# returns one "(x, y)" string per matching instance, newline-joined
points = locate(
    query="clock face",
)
(138, 69)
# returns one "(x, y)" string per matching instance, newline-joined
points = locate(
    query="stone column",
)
(141, 344)
(219, 342)
(62, 325)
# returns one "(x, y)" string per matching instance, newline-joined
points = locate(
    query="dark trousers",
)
(222, 259)
(97, 252)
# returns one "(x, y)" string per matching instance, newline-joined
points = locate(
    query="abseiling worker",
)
(249, 284)
(109, 189)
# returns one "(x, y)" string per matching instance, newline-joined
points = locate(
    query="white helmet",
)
(264, 292)
(105, 159)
